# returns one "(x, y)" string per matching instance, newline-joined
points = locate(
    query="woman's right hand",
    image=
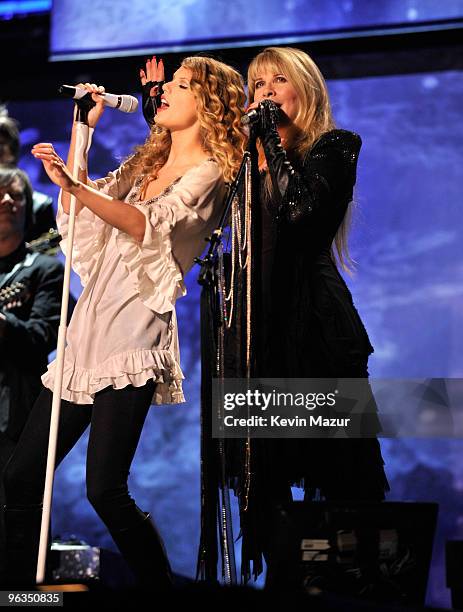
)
(54, 166)
(96, 111)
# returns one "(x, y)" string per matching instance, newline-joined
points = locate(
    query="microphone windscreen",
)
(129, 104)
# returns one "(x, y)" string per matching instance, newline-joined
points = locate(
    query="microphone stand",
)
(207, 262)
(79, 163)
(213, 472)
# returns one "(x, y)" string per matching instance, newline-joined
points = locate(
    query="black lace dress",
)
(308, 327)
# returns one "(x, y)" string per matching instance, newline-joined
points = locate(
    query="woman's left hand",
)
(268, 118)
(152, 81)
(252, 106)
(154, 74)
(54, 166)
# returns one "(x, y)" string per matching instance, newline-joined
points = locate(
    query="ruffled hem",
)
(135, 368)
(151, 264)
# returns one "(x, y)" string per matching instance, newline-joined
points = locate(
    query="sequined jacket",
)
(312, 326)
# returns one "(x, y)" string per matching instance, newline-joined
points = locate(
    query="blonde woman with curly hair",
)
(136, 236)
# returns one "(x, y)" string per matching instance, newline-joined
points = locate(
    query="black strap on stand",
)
(215, 500)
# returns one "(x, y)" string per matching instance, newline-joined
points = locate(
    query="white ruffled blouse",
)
(124, 328)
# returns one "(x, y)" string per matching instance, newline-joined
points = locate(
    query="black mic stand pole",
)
(216, 237)
(213, 476)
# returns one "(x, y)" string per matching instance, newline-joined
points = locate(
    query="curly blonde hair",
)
(219, 91)
(314, 117)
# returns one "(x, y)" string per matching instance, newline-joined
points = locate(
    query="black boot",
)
(22, 535)
(144, 552)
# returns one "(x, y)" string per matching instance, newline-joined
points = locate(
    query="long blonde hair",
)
(314, 117)
(220, 95)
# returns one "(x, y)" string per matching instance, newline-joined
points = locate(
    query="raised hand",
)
(54, 165)
(154, 74)
(152, 81)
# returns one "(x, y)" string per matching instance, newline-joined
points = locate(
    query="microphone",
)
(126, 104)
(251, 116)
(254, 114)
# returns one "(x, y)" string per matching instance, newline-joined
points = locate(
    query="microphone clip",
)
(84, 106)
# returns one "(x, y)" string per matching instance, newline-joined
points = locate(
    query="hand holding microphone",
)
(98, 99)
(252, 114)
(263, 116)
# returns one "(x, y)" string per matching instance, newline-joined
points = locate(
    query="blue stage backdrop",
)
(408, 288)
(112, 28)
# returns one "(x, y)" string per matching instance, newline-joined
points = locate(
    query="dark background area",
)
(28, 75)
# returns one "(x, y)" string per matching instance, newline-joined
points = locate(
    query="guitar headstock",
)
(14, 296)
(47, 243)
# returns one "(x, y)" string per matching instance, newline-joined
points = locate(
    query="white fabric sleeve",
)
(90, 232)
(187, 208)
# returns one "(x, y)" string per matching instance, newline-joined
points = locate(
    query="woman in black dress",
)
(308, 325)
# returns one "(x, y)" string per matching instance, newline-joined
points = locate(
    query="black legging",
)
(116, 420)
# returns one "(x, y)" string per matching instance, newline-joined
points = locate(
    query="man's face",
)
(12, 208)
(6, 156)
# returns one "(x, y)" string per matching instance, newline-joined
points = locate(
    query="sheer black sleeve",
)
(326, 176)
(150, 104)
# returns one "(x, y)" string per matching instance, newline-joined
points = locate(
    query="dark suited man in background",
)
(29, 318)
(30, 303)
(43, 215)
